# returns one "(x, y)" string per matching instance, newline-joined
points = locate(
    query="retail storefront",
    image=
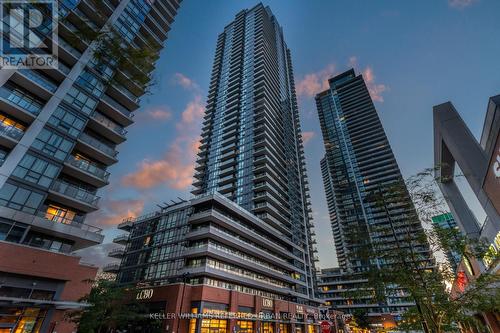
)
(205, 309)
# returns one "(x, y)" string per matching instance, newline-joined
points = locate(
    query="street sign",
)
(325, 327)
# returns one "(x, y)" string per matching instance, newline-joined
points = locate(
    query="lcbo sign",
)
(29, 29)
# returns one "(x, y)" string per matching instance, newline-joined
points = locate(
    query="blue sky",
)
(415, 54)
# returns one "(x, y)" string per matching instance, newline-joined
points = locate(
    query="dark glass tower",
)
(359, 163)
(252, 150)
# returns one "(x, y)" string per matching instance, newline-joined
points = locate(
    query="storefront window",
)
(243, 326)
(214, 326)
(22, 320)
(267, 327)
(284, 328)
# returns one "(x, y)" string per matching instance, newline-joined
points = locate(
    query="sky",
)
(412, 54)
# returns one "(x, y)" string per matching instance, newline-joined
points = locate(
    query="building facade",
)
(446, 221)
(455, 148)
(244, 242)
(59, 132)
(358, 165)
(251, 147)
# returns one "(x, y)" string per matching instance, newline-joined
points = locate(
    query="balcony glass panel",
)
(10, 128)
(98, 144)
(75, 192)
(88, 166)
(39, 79)
(108, 123)
(21, 98)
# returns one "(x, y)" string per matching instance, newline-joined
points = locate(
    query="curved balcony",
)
(73, 196)
(111, 268)
(10, 134)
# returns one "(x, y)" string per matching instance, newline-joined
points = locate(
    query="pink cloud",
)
(376, 89)
(460, 4)
(307, 136)
(159, 114)
(314, 83)
(194, 111)
(185, 82)
(113, 212)
(176, 168)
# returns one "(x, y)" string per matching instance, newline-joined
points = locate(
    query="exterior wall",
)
(180, 299)
(358, 164)
(251, 148)
(64, 271)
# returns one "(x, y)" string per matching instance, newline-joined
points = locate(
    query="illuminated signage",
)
(299, 309)
(267, 303)
(144, 294)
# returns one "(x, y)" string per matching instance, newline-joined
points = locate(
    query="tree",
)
(110, 309)
(361, 318)
(406, 269)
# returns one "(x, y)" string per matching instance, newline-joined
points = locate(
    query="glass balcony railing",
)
(116, 105)
(74, 192)
(108, 123)
(127, 93)
(42, 81)
(21, 99)
(11, 131)
(88, 167)
(59, 219)
(110, 151)
(69, 48)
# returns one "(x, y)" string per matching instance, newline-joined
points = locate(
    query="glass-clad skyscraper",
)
(358, 166)
(251, 148)
(59, 132)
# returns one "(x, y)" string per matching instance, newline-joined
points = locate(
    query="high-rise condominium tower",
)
(359, 164)
(59, 131)
(251, 148)
(244, 243)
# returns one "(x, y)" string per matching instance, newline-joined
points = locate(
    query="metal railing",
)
(88, 167)
(101, 119)
(59, 219)
(39, 79)
(75, 192)
(11, 131)
(116, 105)
(98, 144)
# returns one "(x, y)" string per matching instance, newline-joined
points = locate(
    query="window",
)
(53, 144)
(80, 100)
(91, 83)
(60, 215)
(20, 198)
(67, 121)
(36, 170)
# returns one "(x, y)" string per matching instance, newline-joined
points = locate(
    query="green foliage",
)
(112, 51)
(110, 308)
(408, 270)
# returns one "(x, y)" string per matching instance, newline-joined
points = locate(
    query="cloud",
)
(461, 4)
(156, 114)
(194, 111)
(376, 89)
(176, 168)
(314, 83)
(307, 136)
(113, 212)
(185, 82)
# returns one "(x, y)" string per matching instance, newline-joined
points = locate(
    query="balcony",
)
(117, 253)
(107, 127)
(19, 104)
(86, 171)
(98, 149)
(109, 107)
(35, 83)
(126, 225)
(73, 196)
(111, 268)
(10, 133)
(123, 96)
(122, 239)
